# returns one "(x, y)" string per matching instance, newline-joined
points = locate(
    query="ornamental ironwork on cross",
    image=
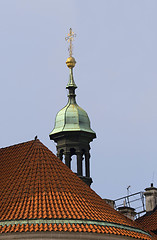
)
(70, 39)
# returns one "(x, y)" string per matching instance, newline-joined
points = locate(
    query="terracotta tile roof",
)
(36, 186)
(149, 220)
(72, 228)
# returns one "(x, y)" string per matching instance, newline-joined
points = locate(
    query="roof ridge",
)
(18, 144)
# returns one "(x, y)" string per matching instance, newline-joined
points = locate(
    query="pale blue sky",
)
(116, 75)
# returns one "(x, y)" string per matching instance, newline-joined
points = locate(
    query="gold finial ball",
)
(70, 62)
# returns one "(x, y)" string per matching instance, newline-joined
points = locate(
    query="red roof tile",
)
(149, 221)
(35, 184)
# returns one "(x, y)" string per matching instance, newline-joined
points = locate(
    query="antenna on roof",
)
(128, 189)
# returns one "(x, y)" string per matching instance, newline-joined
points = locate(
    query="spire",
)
(71, 83)
(71, 86)
(72, 131)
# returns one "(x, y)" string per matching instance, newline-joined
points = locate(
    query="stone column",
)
(60, 155)
(68, 159)
(87, 165)
(79, 164)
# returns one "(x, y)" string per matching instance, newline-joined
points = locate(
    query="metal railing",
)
(135, 200)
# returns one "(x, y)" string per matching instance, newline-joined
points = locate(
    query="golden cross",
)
(70, 38)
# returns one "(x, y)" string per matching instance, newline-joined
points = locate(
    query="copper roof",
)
(40, 193)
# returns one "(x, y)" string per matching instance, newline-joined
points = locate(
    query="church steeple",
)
(72, 131)
(71, 86)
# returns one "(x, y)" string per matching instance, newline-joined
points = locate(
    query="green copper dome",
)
(72, 117)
